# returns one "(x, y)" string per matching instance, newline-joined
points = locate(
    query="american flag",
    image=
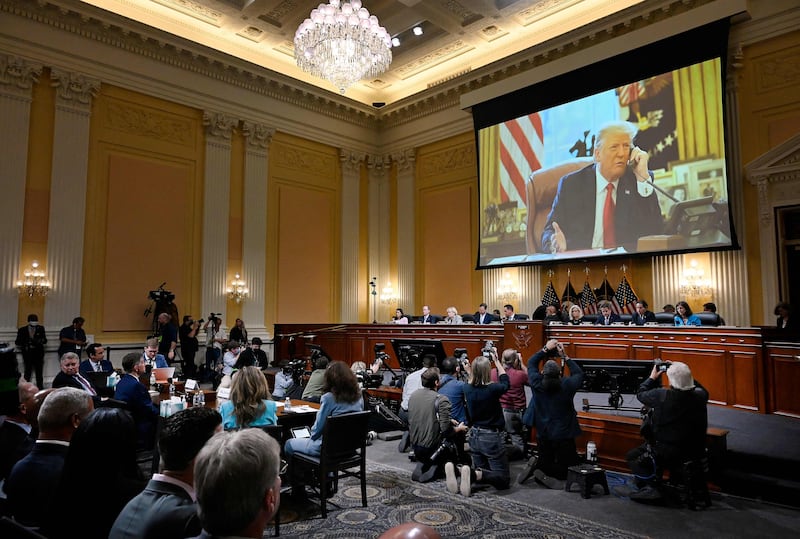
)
(550, 297)
(521, 151)
(588, 299)
(606, 292)
(626, 296)
(569, 294)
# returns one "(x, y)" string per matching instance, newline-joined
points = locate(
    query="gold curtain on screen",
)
(698, 104)
(489, 146)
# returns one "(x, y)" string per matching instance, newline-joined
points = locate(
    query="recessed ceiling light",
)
(396, 41)
(417, 30)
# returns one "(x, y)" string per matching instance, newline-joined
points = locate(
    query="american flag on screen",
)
(626, 297)
(550, 297)
(606, 292)
(588, 299)
(521, 152)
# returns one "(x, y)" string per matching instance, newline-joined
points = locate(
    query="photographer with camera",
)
(287, 380)
(514, 401)
(216, 338)
(674, 432)
(552, 412)
(432, 432)
(189, 345)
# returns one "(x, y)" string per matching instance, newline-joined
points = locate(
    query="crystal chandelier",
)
(343, 43)
(238, 290)
(35, 282)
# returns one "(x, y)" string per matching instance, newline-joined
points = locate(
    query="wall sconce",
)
(238, 290)
(35, 282)
(506, 291)
(387, 294)
(693, 283)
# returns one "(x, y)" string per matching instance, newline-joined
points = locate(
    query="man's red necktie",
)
(609, 240)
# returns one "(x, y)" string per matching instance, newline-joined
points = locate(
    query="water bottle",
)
(201, 398)
(591, 452)
(287, 406)
(153, 381)
(171, 388)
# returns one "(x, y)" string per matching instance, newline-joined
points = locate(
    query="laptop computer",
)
(97, 379)
(162, 374)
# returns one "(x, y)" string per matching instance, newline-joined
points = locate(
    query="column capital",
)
(378, 164)
(351, 159)
(219, 125)
(17, 75)
(258, 135)
(405, 159)
(74, 89)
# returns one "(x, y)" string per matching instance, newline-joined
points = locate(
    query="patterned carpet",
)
(392, 498)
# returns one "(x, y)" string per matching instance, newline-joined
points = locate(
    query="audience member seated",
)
(252, 355)
(237, 478)
(399, 317)
(15, 431)
(607, 316)
(514, 401)
(31, 485)
(575, 317)
(101, 470)
(554, 414)
(130, 390)
(711, 308)
(167, 506)
(431, 430)
(642, 316)
(675, 431)
(250, 403)
(151, 357)
(427, 317)
(313, 390)
(482, 315)
(341, 395)
(230, 358)
(70, 377)
(684, 316)
(96, 361)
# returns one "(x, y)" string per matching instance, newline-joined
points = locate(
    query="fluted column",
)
(667, 271)
(405, 241)
(254, 226)
(530, 289)
(527, 282)
(74, 92)
(216, 209)
(17, 76)
(353, 296)
(379, 230)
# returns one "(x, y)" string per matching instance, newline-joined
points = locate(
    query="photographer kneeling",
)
(675, 431)
(430, 428)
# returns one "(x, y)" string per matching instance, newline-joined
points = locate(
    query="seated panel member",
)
(483, 316)
(427, 317)
(575, 317)
(399, 317)
(607, 316)
(685, 316)
(452, 316)
(642, 316)
(508, 313)
(608, 204)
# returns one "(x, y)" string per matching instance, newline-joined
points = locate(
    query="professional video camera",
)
(461, 356)
(380, 351)
(160, 295)
(410, 357)
(662, 365)
(296, 368)
(368, 379)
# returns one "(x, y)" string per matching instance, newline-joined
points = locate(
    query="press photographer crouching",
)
(674, 429)
(431, 430)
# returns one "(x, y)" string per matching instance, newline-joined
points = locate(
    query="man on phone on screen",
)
(609, 204)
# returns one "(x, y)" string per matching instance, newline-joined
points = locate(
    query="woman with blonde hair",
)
(452, 316)
(251, 403)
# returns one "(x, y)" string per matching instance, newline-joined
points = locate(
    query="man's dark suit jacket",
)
(432, 319)
(32, 482)
(15, 443)
(161, 510)
(639, 320)
(86, 366)
(28, 344)
(612, 319)
(64, 380)
(574, 211)
(489, 318)
(141, 406)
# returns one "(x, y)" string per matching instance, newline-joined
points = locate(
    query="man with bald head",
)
(33, 479)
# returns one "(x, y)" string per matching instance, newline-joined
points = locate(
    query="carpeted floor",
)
(393, 499)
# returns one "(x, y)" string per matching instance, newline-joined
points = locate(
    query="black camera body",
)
(368, 380)
(296, 368)
(446, 448)
(662, 366)
(488, 349)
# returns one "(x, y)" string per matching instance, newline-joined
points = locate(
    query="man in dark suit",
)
(34, 479)
(252, 355)
(31, 339)
(15, 432)
(70, 377)
(608, 204)
(427, 317)
(483, 316)
(166, 507)
(129, 389)
(508, 313)
(607, 316)
(642, 316)
(97, 361)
